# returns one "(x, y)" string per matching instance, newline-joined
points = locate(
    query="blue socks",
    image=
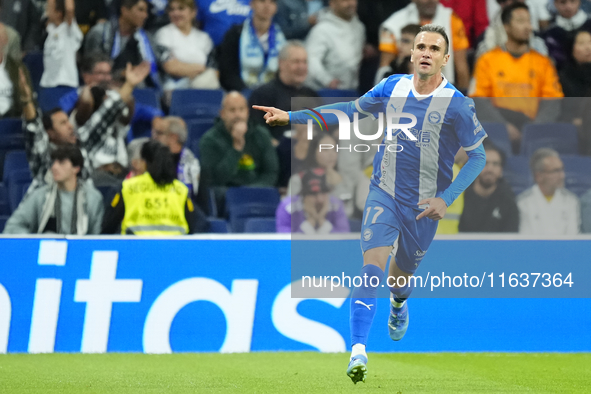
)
(364, 303)
(402, 293)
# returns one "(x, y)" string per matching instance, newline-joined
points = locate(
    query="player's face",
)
(567, 8)
(519, 28)
(582, 47)
(492, 171)
(264, 9)
(552, 176)
(428, 55)
(328, 157)
(294, 69)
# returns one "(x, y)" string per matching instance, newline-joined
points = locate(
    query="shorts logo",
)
(419, 255)
(434, 117)
(367, 234)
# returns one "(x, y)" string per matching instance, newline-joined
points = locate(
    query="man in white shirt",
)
(547, 208)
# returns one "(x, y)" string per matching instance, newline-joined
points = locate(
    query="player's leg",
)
(400, 287)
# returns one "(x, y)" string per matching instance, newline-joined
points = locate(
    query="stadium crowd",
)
(93, 91)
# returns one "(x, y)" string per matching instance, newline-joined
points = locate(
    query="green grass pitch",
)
(304, 372)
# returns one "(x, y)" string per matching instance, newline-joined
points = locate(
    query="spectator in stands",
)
(473, 14)
(495, 35)
(489, 203)
(68, 206)
(515, 77)
(171, 132)
(297, 17)
(289, 83)
(315, 210)
(401, 63)
(335, 47)
(89, 13)
(563, 28)
(423, 12)
(12, 42)
(125, 41)
(249, 55)
(137, 165)
(216, 17)
(43, 133)
(24, 17)
(10, 100)
(64, 38)
(236, 151)
(190, 46)
(586, 212)
(154, 203)
(547, 208)
(575, 78)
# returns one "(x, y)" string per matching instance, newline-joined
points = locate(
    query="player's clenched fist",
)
(273, 116)
(437, 208)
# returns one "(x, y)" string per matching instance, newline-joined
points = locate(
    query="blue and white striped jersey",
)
(414, 170)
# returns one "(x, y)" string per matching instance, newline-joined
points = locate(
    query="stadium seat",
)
(49, 97)
(577, 173)
(147, 96)
(219, 226)
(197, 128)
(497, 132)
(241, 213)
(260, 225)
(16, 187)
(236, 196)
(33, 60)
(517, 174)
(14, 161)
(196, 103)
(3, 220)
(561, 137)
(11, 138)
(355, 225)
(4, 207)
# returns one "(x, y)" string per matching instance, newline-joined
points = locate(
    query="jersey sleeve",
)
(467, 126)
(372, 102)
(458, 31)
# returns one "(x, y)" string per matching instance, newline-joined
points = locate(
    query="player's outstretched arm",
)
(273, 116)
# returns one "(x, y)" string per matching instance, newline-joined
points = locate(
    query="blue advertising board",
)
(235, 295)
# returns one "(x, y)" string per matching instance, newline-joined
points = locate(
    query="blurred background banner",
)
(233, 294)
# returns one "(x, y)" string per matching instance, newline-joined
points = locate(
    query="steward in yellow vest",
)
(147, 207)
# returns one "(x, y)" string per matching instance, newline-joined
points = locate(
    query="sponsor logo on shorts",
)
(419, 255)
(367, 234)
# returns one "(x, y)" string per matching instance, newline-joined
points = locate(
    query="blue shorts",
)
(387, 222)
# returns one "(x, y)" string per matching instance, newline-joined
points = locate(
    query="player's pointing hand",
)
(273, 116)
(436, 210)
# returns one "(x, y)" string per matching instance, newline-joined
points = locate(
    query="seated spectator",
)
(401, 63)
(489, 202)
(10, 67)
(249, 54)
(297, 17)
(547, 208)
(236, 151)
(63, 41)
(68, 206)
(515, 77)
(425, 12)
(216, 17)
(327, 160)
(586, 212)
(171, 132)
(154, 203)
(189, 46)
(561, 33)
(89, 13)
(496, 36)
(25, 18)
(314, 210)
(43, 133)
(289, 83)
(335, 47)
(575, 78)
(125, 41)
(137, 166)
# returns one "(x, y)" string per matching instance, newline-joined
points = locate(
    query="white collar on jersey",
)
(433, 93)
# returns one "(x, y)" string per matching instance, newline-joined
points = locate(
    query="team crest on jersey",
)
(434, 117)
(367, 234)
